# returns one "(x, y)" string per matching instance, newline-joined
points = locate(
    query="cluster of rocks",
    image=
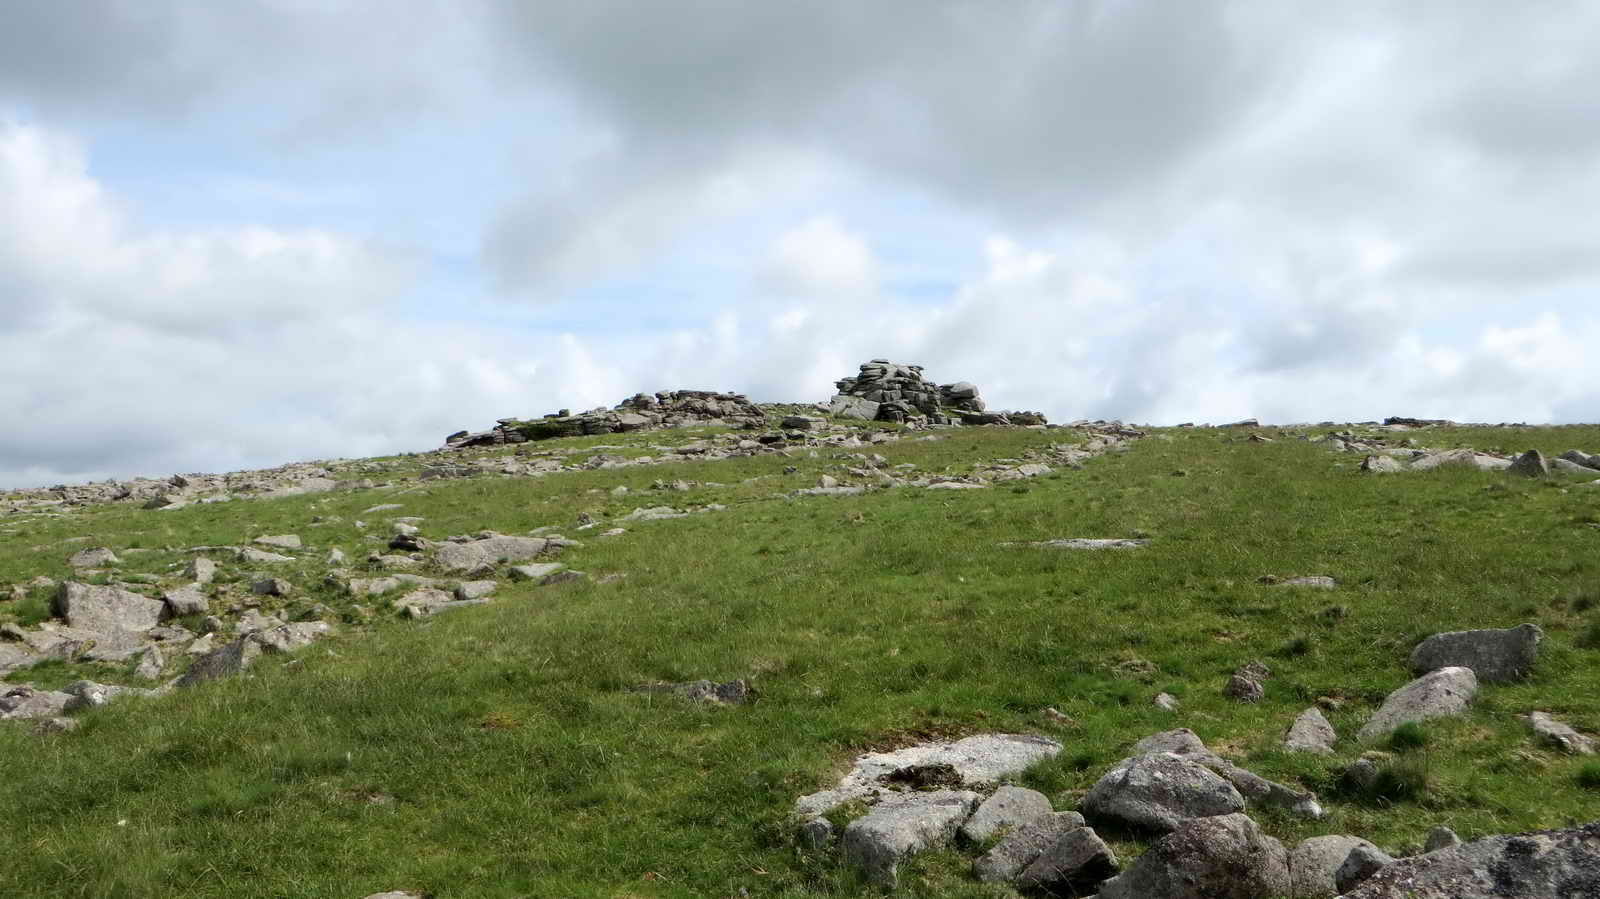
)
(181, 490)
(887, 391)
(640, 412)
(1382, 457)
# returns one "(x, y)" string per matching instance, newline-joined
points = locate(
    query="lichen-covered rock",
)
(979, 760)
(1018, 849)
(1158, 791)
(1009, 808)
(1221, 857)
(1436, 694)
(1310, 732)
(482, 555)
(1078, 859)
(1360, 865)
(1314, 865)
(1493, 655)
(1549, 864)
(106, 610)
(902, 825)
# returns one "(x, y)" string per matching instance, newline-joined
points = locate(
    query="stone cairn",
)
(640, 412)
(886, 391)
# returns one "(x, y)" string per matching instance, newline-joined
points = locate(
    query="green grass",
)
(496, 751)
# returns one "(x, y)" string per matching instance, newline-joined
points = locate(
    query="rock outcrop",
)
(888, 391)
(1549, 864)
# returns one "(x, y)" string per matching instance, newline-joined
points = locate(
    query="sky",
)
(236, 235)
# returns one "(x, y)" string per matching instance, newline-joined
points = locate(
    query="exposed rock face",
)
(1013, 854)
(1310, 732)
(1314, 865)
(1434, 695)
(888, 391)
(640, 412)
(1495, 656)
(901, 825)
(1222, 857)
(1157, 792)
(1550, 864)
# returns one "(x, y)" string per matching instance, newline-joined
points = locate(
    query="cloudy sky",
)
(239, 234)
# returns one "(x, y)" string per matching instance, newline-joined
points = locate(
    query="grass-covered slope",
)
(496, 751)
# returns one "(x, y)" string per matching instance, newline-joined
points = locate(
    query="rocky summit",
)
(888, 643)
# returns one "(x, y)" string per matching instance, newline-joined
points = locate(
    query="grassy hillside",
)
(496, 751)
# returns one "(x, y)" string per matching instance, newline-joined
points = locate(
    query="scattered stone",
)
(257, 556)
(561, 577)
(979, 761)
(24, 701)
(1310, 732)
(1243, 689)
(484, 554)
(1079, 859)
(1314, 865)
(281, 541)
(93, 558)
(1495, 656)
(185, 601)
(536, 572)
(1166, 702)
(1530, 464)
(201, 570)
(1359, 866)
(1157, 791)
(1560, 735)
(1009, 808)
(106, 610)
(614, 532)
(272, 586)
(901, 825)
(421, 603)
(1434, 695)
(1550, 864)
(151, 664)
(1185, 744)
(816, 834)
(475, 589)
(1440, 837)
(1018, 849)
(654, 513)
(1220, 857)
(1381, 465)
(88, 694)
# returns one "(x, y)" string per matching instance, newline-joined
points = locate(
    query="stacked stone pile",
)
(640, 412)
(887, 391)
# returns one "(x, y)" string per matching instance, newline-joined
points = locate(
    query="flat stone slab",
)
(901, 826)
(1437, 694)
(1009, 808)
(984, 759)
(1495, 656)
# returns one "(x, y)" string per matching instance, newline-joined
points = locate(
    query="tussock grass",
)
(496, 752)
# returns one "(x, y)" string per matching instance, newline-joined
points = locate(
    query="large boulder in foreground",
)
(483, 555)
(1222, 857)
(1495, 656)
(902, 825)
(1548, 864)
(1437, 694)
(1314, 864)
(1157, 792)
(106, 610)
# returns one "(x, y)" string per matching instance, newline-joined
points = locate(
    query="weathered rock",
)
(1156, 792)
(1436, 694)
(106, 610)
(1381, 465)
(1359, 866)
(1166, 702)
(536, 572)
(88, 694)
(1313, 581)
(258, 556)
(1257, 790)
(734, 692)
(272, 586)
(1310, 732)
(980, 760)
(1530, 464)
(1560, 735)
(1550, 864)
(563, 576)
(281, 541)
(1221, 857)
(902, 825)
(201, 570)
(290, 637)
(1009, 808)
(421, 603)
(1018, 849)
(475, 589)
(151, 664)
(1314, 865)
(1440, 837)
(1244, 689)
(185, 601)
(483, 555)
(93, 558)
(1085, 543)
(1495, 656)
(853, 407)
(230, 658)
(25, 702)
(1078, 859)
(804, 423)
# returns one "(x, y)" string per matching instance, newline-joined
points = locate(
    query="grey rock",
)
(421, 603)
(1579, 457)
(281, 541)
(290, 637)
(1090, 543)
(1530, 464)
(335, 556)
(1166, 702)
(1381, 465)
(561, 577)
(475, 589)
(1440, 837)
(1566, 467)
(26, 702)
(13, 657)
(734, 692)
(258, 556)
(535, 572)
(1314, 865)
(1182, 741)
(816, 833)
(1495, 656)
(804, 423)
(47, 726)
(1310, 732)
(1359, 866)
(1313, 581)
(253, 621)
(88, 694)
(1158, 791)
(93, 558)
(186, 601)
(1185, 744)
(1550, 864)
(272, 586)
(106, 610)
(1008, 809)
(1244, 689)
(1221, 857)
(372, 586)
(900, 826)
(483, 555)
(231, 658)
(151, 664)
(1436, 694)
(1078, 859)
(978, 761)
(201, 570)
(853, 407)
(653, 513)
(1560, 735)
(1018, 849)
